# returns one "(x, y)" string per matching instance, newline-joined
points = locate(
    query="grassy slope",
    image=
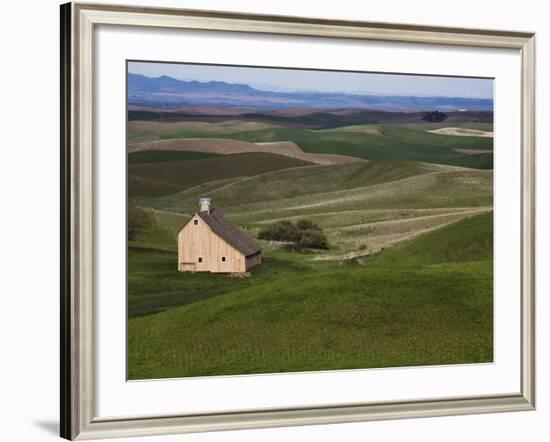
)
(321, 189)
(164, 178)
(154, 285)
(470, 239)
(477, 161)
(329, 317)
(323, 186)
(433, 190)
(295, 182)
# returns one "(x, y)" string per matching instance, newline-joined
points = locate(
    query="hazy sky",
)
(322, 81)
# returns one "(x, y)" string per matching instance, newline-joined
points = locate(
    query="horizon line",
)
(315, 91)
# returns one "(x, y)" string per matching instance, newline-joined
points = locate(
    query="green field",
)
(406, 280)
(314, 317)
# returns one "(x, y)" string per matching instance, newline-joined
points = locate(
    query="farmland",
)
(373, 142)
(406, 207)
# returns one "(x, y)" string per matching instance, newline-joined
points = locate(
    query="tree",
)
(434, 117)
(313, 239)
(138, 220)
(306, 224)
(280, 231)
(303, 233)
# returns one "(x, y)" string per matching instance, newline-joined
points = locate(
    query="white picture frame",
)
(78, 418)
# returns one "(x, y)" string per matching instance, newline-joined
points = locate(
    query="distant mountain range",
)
(168, 92)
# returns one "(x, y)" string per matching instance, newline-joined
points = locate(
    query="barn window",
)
(200, 258)
(223, 258)
(196, 222)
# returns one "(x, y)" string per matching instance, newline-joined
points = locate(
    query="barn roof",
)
(225, 230)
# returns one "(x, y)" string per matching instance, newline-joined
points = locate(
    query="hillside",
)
(320, 189)
(363, 207)
(470, 239)
(347, 316)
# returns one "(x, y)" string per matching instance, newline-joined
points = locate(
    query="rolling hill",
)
(224, 146)
(371, 142)
(363, 207)
(317, 189)
(469, 239)
(352, 316)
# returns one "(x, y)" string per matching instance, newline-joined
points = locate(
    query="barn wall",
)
(253, 260)
(191, 245)
(199, 240)
(235, 260)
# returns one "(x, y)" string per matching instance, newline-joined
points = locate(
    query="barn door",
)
(187, 267)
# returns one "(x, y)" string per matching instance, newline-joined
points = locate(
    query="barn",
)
(207, 242)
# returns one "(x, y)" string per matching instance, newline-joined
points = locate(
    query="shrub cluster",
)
(303, 233)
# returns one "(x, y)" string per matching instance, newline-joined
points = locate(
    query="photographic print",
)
(289, 220)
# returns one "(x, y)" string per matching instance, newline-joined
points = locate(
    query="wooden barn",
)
(210, 243)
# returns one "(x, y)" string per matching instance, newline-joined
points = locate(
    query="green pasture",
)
(411, 305)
